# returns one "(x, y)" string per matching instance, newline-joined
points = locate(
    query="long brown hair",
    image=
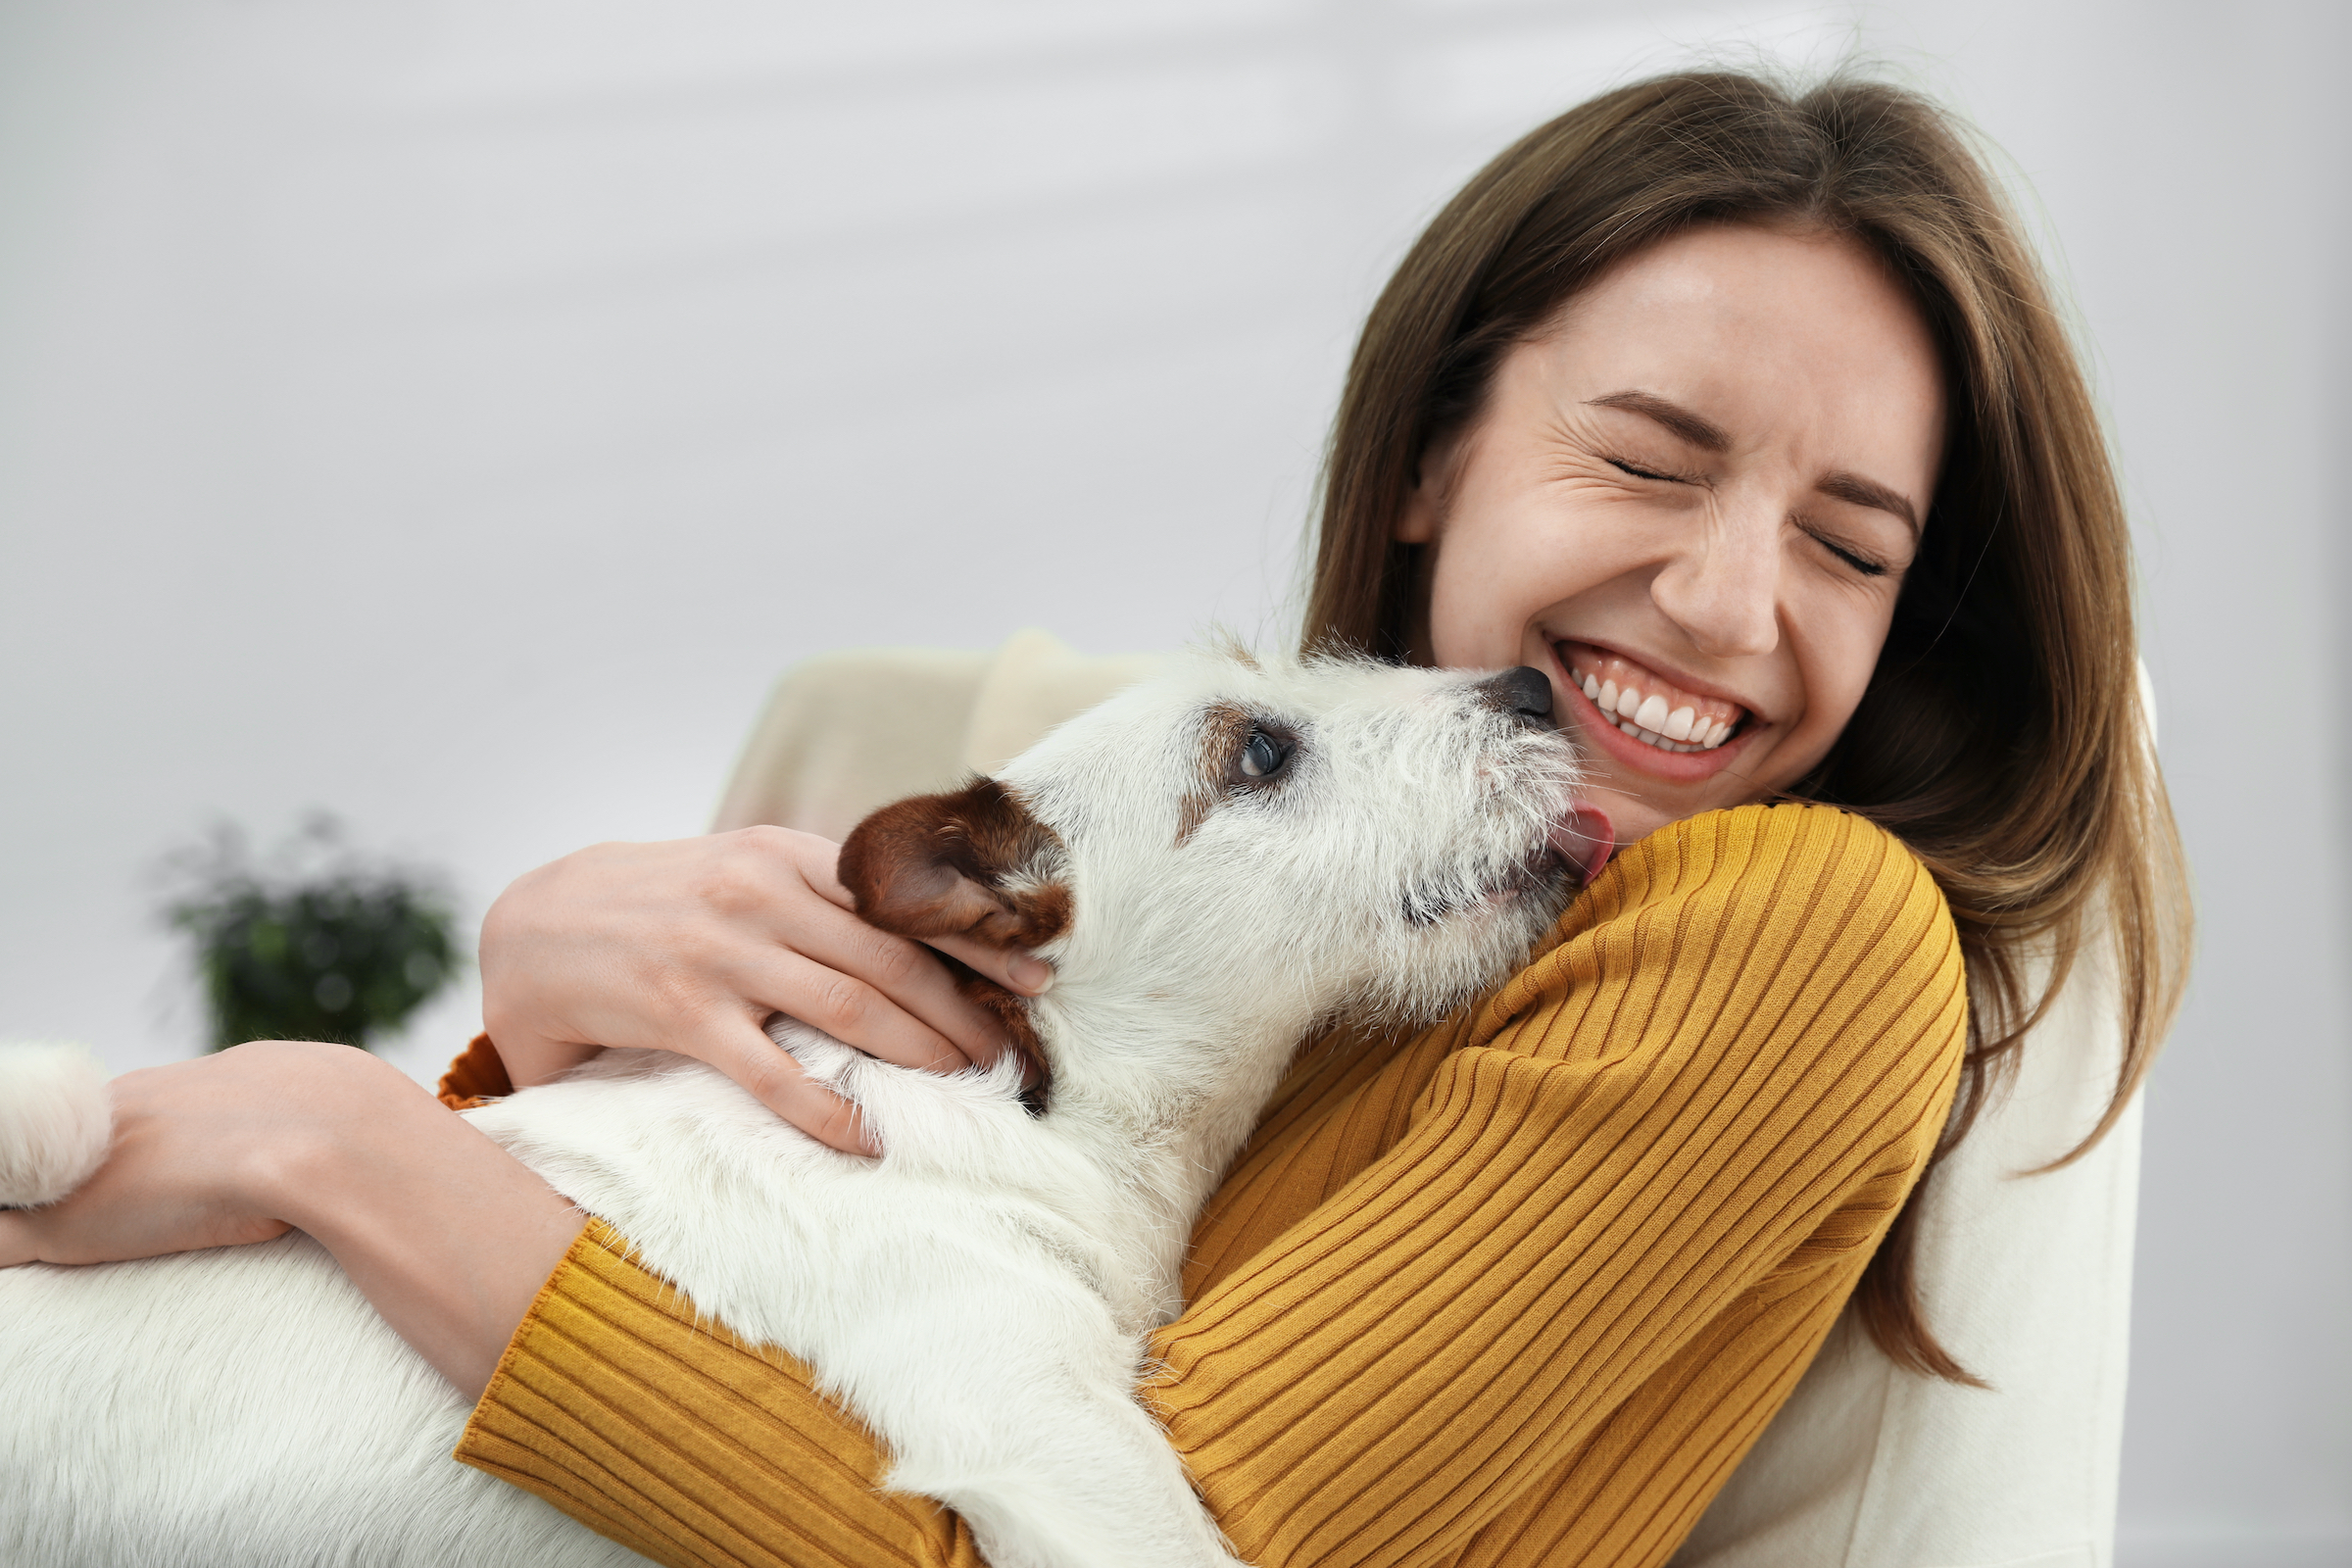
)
(2002, 736)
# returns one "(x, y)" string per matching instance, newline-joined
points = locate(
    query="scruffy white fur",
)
(980, 1295)
(56, 1121)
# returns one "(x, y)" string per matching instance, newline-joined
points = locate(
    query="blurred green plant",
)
(317, 944)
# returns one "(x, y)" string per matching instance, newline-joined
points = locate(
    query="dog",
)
(1215, 863)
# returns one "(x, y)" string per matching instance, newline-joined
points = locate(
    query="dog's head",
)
(1229, 853)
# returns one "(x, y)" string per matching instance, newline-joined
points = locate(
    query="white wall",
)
(455, 415)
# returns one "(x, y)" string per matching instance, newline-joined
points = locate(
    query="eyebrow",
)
(1708, 436)
(1842, 486)
(1703, 433)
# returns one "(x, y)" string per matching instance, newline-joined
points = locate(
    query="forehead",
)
(1780, 338)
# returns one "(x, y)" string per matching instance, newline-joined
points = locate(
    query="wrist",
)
(447, 1235)
(336, 1107)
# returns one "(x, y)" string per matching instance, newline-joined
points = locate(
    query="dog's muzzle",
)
(1524, 693)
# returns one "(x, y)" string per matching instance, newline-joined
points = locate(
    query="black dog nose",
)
(1522, 690)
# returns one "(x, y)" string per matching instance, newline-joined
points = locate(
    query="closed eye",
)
(1860, 562)
(1623, 466)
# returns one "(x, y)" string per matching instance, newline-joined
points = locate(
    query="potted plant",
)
(317, 943)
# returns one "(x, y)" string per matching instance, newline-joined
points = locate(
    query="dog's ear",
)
(973, 864)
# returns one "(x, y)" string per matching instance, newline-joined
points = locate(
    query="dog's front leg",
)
(1109, 1495)
(1066, 1473)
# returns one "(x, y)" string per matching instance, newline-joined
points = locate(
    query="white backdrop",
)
(454, 415)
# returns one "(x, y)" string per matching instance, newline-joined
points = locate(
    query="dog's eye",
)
(1263, 757)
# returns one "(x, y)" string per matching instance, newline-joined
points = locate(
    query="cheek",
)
(1499, 567)
(1836, 662)
(1474, 620)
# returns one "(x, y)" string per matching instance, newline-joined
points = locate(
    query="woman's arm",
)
(687, 946)
(1520, 1292)
(446, 1232)
(1525, 1289)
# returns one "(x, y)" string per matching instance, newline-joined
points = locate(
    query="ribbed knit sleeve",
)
(1534, 1286)
(1519, 1290)
(616, 1406)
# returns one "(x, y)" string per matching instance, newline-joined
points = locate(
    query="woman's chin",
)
(1640, 795)
(1633, 821)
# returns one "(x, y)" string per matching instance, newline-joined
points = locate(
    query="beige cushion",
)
(2026, 1278)
(846, 732)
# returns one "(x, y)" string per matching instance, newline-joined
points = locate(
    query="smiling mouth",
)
(1647, 705)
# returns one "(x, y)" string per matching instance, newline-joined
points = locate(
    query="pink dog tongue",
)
(1584, 840)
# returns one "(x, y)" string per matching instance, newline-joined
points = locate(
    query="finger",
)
(16, 1242)
(774, 1077)
(1017, 969)
(819, 861)
(851, 1010)
(912, 977)
(901, 970)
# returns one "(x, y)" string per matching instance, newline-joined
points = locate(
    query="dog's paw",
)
(56, 1122)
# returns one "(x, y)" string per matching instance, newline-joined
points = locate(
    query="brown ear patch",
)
(958, 864)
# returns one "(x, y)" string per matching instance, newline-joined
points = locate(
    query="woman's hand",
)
(446, 1232)
(197, 1145)
(690, 945)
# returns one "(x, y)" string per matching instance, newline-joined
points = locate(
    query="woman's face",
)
(1692, 503)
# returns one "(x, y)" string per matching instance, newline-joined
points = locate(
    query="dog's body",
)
(1213, 863)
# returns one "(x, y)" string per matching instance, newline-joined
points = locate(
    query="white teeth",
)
(1701, 737)
(1648, 720)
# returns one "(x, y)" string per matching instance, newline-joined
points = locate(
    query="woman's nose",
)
(1724, 588)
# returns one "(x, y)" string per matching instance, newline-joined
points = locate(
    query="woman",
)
(1746, 417)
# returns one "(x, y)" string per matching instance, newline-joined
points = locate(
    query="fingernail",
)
(864, 1137)
(1033, 975)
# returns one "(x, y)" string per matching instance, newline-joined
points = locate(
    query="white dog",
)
(1214, 862)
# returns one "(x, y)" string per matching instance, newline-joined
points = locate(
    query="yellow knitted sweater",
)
(1521, 1290)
